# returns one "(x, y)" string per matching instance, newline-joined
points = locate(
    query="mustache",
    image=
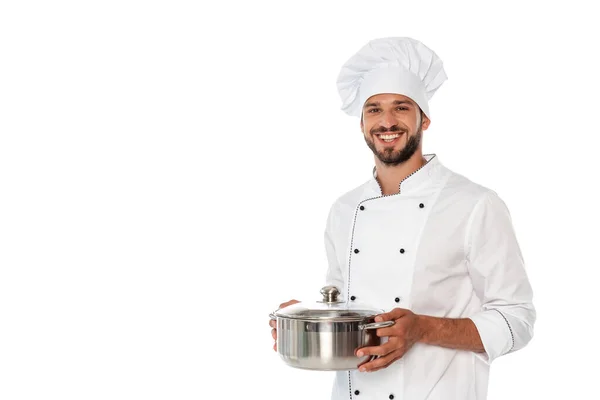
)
(383, 129)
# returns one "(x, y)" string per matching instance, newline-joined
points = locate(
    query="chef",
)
(432, 248)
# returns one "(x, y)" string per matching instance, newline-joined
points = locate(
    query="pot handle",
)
(377, 325)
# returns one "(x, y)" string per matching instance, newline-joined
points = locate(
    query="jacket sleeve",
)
(496, 266)
(334, 274)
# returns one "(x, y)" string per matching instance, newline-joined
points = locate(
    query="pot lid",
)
(329, 308)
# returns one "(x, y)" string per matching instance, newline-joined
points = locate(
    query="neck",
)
(390, 176)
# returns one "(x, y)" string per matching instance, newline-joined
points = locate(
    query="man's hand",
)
(273, 323)
(406, 331)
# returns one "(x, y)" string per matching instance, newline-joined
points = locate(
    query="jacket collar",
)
(415, 180)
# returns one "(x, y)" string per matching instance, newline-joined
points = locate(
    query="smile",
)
(388, 137)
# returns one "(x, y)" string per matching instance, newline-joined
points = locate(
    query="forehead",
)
(387, 98)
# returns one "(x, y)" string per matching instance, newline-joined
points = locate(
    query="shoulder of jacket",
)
(350, 198)
(354, 195)
(469, 188)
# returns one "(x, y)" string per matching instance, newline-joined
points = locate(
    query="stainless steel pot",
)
(325, 335)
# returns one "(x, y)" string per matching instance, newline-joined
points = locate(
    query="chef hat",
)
(390, 65)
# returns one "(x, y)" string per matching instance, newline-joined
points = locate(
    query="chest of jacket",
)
(395, 250)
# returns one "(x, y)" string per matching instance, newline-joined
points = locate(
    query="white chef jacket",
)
(443, 246)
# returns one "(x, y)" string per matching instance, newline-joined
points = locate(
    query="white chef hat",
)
(399, 65)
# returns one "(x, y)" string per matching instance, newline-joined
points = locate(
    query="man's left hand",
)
(406, 331)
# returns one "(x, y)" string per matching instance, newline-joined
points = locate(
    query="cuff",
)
(495, 332)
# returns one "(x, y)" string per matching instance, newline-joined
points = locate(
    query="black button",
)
(391, 396)
(402, 251)
(420, 205)
(356, 392)
(397, 299)
(356, 250)
(352, 298)
(362, 207)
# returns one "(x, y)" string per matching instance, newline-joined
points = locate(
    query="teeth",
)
(389, 137)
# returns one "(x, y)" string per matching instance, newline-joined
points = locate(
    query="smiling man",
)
(436, 251)
(387, 117)
(393, 126)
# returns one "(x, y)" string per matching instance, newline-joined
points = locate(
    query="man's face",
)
(393, 126)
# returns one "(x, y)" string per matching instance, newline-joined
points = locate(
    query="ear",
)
(425, 121)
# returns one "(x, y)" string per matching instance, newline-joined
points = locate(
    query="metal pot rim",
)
(323, 318)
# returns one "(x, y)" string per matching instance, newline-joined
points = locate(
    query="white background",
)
(166, 169)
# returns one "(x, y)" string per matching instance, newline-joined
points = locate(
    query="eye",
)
(402, 108)
(372, 110)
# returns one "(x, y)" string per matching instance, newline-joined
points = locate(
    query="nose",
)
(387, 120)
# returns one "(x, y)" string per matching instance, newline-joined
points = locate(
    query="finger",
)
(381, 362)
(275, 346)
(389, 331)
(396, 358)
(391, 315)
(288, 303)
(274, 334)
(398, 329)
(381, 350)
(273, 323)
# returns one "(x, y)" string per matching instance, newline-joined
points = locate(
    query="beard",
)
(390, 156)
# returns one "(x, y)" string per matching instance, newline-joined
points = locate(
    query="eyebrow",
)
(395, 102)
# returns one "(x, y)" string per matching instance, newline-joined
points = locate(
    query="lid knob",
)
(330, 294)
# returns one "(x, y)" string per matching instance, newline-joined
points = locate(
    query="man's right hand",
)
(273, 323)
